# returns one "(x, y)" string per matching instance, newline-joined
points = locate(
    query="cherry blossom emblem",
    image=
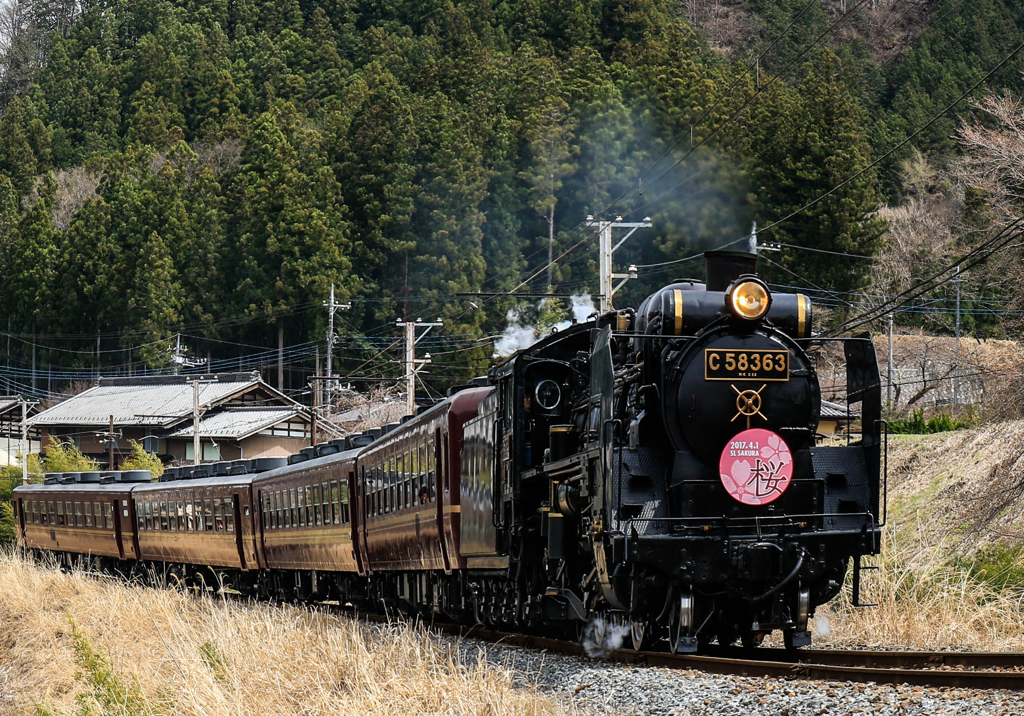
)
(756, 466)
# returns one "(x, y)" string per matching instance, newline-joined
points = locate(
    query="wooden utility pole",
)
(110, 445)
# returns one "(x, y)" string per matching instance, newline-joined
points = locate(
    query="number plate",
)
(745, 365)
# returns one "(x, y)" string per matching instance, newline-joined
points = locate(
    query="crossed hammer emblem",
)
(748, 403)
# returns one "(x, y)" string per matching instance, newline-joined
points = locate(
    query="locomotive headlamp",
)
(749, 298)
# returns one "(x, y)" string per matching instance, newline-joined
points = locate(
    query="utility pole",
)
(605, 251)
(332, 306)
(410, 357)
(181, 358)
(956, 364)
(25, 447)
(280, 357)
(888, 387)
(196, 415)
(109, 439)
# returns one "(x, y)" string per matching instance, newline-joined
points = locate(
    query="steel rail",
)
(973, 670)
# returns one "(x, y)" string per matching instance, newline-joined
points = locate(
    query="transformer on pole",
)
(605, 251)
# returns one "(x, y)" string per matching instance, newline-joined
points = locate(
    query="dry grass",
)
(950, 573)
(76, 645)
(926, 600)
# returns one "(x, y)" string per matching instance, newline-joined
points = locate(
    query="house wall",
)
(263, 446)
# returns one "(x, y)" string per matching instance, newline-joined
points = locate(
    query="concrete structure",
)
(245, 418)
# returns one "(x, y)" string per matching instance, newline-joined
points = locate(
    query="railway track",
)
(970, 670)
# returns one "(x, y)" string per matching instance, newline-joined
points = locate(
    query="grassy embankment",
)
(952, 569)
(77, 645)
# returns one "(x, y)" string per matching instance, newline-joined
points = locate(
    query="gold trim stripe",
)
(801, 315)
(678, 298)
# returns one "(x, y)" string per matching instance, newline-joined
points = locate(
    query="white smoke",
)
(518, 336)
(601, 637)
(822, 627)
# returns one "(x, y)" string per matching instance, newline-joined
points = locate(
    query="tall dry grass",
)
(926, 598)
(73, 644)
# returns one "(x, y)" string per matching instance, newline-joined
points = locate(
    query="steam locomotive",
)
(655, 469)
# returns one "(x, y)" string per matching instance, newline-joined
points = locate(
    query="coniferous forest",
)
(209, 168)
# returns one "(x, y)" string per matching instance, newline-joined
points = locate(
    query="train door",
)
(20, 507)
(126, 516)
(358, 512)
(260, 527)
(441, 479)
(243, 526)
(354, 522)
(115, 507)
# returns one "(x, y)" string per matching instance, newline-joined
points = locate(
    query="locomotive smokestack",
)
(723, 267)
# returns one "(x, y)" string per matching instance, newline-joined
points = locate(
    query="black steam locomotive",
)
(679, 487)
(654, 470)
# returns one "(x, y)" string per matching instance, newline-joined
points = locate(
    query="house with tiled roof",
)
(240, 417)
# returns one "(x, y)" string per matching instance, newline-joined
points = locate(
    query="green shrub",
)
(142, 460)
(938, 423)
(65, 457)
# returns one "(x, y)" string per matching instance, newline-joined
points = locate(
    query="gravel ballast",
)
(599, 687)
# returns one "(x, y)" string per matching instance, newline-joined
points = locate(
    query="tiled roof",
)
(835, 411)
(9, 402)
(236, 423)
(158, 401)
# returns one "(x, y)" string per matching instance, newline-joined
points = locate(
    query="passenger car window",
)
(208, 515)
(218, 514)
(110, 517)
(88, 514)
(316, 505)
(229, 515)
